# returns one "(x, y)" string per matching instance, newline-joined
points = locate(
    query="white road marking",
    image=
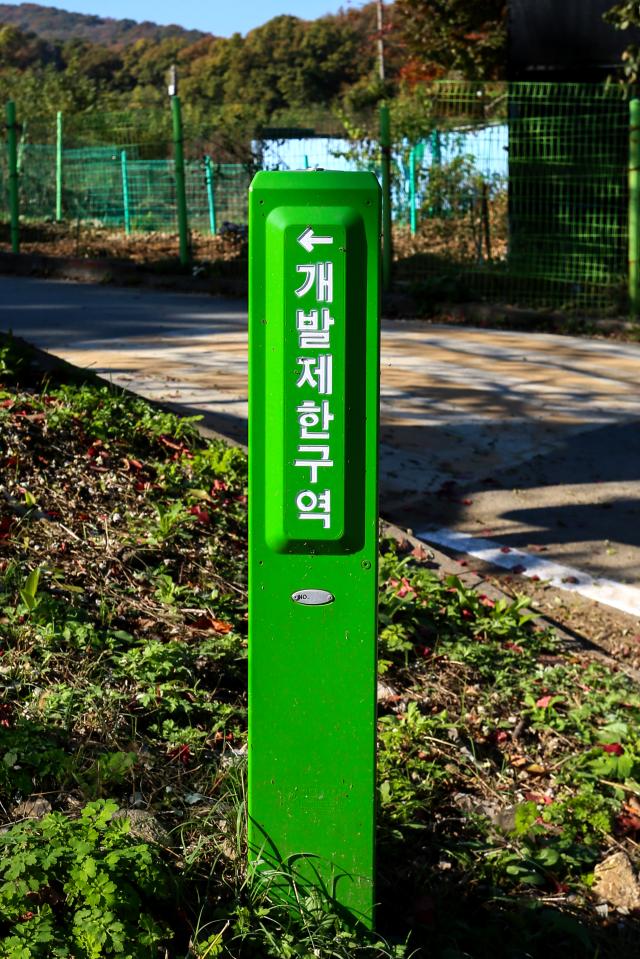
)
(607, 591)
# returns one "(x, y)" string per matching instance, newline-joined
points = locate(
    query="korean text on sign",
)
(313, 323)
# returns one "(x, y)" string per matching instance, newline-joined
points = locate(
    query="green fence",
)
(512, 193)
(520, 193)
(121, 173)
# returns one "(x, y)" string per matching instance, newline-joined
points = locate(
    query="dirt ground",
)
(593, 626)
(616, 633)
(86, 241)
(469, 240)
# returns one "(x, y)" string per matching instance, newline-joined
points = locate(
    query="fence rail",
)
(519, 193)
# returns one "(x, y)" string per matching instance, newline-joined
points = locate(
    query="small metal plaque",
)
(313, 597)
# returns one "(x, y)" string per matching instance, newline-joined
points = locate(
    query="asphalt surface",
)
(531, 440)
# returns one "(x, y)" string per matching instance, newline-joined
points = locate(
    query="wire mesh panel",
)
(92, 187)
(516, 193)
(568, 192)
(217, 194)
(152, 196)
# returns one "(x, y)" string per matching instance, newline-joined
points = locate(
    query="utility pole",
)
(179, 167)
(385, 161)
(381, 39)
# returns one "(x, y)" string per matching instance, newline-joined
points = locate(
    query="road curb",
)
(121, 273)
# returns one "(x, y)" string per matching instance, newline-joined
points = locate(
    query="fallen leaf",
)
(208, 622)
(181, 754)
(536, 769)
(539, 798)
(514, 647)
(627, 823)
(201, 515)
(544, 701)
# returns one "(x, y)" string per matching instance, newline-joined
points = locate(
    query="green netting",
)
(516, 193)
(225, 201)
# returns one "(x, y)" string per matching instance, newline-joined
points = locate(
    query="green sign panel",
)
(313, 442)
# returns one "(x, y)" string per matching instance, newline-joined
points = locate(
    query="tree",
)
(454, 38)
(622, 16)
(285, 66)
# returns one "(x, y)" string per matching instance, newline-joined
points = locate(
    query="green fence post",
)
(385, 151)
(211, 199)
(314, 306)
(634, 208)
(436, 147)
(181, 192)
(12, 157)
(436, 160)
(412, 189)
(125, 192)
(59, 166)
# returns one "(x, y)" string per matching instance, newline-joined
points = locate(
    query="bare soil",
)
(614, 634)
(87, 241)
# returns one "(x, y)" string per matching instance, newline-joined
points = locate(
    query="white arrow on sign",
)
(308, 239)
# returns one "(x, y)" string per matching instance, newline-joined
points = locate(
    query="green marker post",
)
(313, 437)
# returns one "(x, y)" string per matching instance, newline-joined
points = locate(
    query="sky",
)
(221, 17)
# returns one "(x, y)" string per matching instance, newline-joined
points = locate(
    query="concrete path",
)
(529, 441)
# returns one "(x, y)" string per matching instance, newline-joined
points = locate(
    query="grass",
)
(509, 766)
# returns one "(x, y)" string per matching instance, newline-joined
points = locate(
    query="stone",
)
(617, 883)
(144, 825)
(34, 808)
(386, 693)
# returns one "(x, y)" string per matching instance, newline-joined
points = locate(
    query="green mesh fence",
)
(514, 193)
(518, 193)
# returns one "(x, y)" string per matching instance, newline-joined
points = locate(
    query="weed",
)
(508, 764)
(112, 888)
(15, 359)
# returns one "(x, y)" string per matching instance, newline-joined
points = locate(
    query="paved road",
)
(529, 440)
